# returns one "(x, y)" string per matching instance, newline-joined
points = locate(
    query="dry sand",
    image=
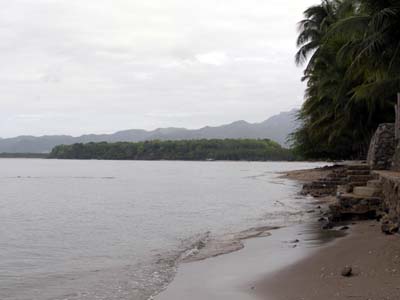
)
(307, 175)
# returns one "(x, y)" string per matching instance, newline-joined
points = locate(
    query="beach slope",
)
(373, 256)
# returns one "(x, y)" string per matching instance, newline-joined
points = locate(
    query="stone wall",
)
(390, 182)
(396, 159)
(382, 147)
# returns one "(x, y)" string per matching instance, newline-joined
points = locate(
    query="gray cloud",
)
(74, 67)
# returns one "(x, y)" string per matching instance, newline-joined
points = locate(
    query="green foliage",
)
(228, 149)
(353, 75)
(23, 155)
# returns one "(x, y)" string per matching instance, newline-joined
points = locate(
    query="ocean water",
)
(86, 230)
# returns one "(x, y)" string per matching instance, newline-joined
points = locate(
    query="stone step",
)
(349, 200)
(360, 178)
(356, 212)
(344, 189)
(319, 192)
(339, 171)
(353, 207)
(375, 183)
(334, 178)
(375, 176)
(337, 175)
(358, 167)
(357, 183)
(366, 191)
(338, 180)
(324, 182)
(322, 185)
(332, 182)
(359, 172)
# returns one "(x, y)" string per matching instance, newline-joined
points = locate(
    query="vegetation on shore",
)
(23, 155)
(214, 149)
(351, 52)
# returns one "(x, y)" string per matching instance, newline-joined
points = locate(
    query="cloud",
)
(104, 65)
(215, 58)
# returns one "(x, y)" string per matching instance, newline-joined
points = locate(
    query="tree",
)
(350, 90)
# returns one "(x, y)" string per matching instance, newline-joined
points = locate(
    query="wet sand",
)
(234, 276)
(275, 268)
(278, 268)
(374, 257)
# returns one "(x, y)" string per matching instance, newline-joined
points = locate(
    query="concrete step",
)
(365, 191)
(375, 183)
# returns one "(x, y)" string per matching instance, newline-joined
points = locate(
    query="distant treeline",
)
(215, 149)
(23, 155)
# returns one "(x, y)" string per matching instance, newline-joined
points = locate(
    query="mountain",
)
(275, 128)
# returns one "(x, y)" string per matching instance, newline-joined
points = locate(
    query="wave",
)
(211, 247)
(196, 248)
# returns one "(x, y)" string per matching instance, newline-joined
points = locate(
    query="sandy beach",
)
(237, 275)
(298, 262)
(374, 257)
(307, 175)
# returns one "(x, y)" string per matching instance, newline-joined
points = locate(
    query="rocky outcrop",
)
(382, 147)
(389, 226)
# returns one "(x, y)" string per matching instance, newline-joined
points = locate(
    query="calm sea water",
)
(85, 230)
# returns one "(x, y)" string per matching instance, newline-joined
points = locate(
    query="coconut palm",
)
(352, 74)
(374, 47)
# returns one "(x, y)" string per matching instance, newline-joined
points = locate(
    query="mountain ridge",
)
(276, 128)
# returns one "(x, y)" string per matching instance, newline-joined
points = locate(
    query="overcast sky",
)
(98, 66)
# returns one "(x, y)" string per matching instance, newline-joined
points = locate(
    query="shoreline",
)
(307, 175)
(233, 275)
(300, 261)
(372, 256)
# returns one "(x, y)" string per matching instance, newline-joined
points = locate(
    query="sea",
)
(87, 230)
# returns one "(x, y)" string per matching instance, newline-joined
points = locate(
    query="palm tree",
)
(312, 30)
(373, 46)
(352, 75)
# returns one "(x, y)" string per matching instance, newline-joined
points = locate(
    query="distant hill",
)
(275, 128)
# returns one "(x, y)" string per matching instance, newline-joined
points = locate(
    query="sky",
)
(99, 66)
